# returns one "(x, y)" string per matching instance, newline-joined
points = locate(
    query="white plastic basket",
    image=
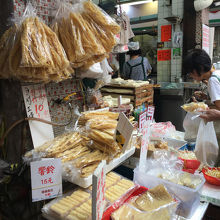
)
(189, 197)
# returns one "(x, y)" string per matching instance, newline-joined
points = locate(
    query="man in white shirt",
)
(198, 64)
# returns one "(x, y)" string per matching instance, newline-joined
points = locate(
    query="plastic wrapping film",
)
(168, 171)
(155, 203)
(35, 53)
(161, 130)
(78, 204)
(86, 33)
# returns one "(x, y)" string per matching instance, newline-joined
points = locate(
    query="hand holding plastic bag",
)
(191, 126)
(206, 144)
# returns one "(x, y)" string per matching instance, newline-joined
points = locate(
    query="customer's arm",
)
(211, 115)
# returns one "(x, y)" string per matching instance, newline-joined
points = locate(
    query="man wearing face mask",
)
(137, 68)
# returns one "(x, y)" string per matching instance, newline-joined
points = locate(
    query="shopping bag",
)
(206, 144)
(191, 126)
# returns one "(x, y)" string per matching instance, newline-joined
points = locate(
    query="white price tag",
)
(124, 131)
(142, 120)
(46, 179)
(146, 137)
(98, 192)
(36, 104)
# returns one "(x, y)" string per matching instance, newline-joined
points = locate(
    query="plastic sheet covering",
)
(155, 203)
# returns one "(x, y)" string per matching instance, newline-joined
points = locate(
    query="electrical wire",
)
(29, 119)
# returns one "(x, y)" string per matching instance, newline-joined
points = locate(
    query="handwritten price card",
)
(146, 137)
(150, 113)
(142, 120)
(166, 33)
(98, 192)
(46, 179)
(37, 106)
(164, 55)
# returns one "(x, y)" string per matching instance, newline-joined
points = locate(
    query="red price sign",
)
(46, 179)
(163, 55)
(150, 113)
(166, 32)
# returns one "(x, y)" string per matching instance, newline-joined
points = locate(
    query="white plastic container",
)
(189, 197)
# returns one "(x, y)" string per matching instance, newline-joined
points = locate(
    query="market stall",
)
(76, 139)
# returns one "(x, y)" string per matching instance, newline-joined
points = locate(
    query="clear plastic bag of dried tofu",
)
(155, 203)
(75, 35)
(59, 147)
(37, 55)
(97, 15)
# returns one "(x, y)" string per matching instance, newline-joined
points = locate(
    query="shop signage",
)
(166, 33)
(164, 55)
(36, 104)
(46, 179)
(98, 192)
(205, 38)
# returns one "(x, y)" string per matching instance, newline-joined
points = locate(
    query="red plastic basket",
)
(189, 170)
(137, 190)
(190, 164)
(210, 179)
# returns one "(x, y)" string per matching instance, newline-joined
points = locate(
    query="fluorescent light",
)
(136, 2)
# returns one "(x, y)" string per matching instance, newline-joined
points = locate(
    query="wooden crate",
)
(138, 95)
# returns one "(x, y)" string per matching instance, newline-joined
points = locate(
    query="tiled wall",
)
(169, 71)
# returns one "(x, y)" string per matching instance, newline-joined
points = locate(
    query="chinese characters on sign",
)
(46, 179)
(37, 106)
(166, 32)
(150, 113)
(145, 137)
(205, 38)
(163, 55)
(98, 192)
(142, 120)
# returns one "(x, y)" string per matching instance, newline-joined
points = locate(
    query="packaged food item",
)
(73, 205)
(194, 106)
(158, 145)
(188, 155)
(86, 39)
(155, 203)
(35, 53)
(97, 115)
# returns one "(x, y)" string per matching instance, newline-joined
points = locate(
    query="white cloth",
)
(126, 31)
(106, 70)
(214, 87)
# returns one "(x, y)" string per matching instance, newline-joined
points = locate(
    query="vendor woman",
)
(198, 64)
(137, 68)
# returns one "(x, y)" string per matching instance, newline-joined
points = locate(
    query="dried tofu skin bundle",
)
(40, 46)
(99, 124)
(35, 51)
(105, 37)
(100, 17)
(153, 199)
(103, 115)
(36, 55)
